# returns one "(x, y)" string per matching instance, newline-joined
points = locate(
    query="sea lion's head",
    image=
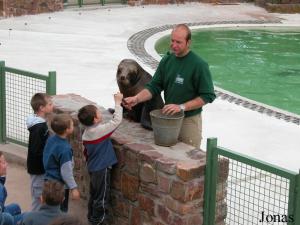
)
(128, 73)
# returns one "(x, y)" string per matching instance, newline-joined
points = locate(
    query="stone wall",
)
(150, 184)
(163, 2)
(26, 7)
(280, 6)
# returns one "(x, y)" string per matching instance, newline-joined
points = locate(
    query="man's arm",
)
(142, 96)
(189, 105)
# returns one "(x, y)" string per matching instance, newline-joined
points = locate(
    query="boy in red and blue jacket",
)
(100, 157)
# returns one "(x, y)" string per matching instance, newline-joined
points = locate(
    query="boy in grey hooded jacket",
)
(38, 133)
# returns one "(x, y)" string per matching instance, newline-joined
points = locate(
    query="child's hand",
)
(75, 194)
(118, 98)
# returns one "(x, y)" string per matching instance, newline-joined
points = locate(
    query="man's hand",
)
(171, 109)
(129, 102)
(75, 194)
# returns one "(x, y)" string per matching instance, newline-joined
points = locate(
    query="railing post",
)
(2, 103)
(210, 187)
(51, 83)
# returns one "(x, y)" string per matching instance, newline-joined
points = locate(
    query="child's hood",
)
(33, 120)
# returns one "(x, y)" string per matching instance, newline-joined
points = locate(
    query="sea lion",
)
(131, 79)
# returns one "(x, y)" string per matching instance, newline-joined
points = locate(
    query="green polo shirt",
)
(183, 79)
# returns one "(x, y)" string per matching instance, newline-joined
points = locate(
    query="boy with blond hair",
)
(58, 157)
(100, 157)
(38, 133)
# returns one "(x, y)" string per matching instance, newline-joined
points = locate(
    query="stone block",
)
(148, 173)
(197, 154)
(164, 183)
(158, 223)
(120, 220)
(188, 170)
(164, 214)
(121, 207)
(283, 8)
(166, 165)
(146, 204)
(188, 191)
(195, 189)
(131, 162)
(178, 220)
(118, 138)
(178, 190)
(182, 208)
(223, 169)
(137, 147)
(151, 189)
(150, 156)
(130, 186)
(221, 211)
(120, 154)
(221, 191)
(135, 216)
(196, 219)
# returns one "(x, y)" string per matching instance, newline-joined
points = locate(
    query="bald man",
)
(187, 84)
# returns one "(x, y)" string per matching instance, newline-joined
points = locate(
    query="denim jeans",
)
(6, 219)
(14, 211)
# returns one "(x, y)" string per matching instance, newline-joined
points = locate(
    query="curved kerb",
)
(136, 45)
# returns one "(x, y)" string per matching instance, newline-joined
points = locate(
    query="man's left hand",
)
(171, 109)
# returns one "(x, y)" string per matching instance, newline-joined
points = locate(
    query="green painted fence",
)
(81, 3)
(17, 88)
(255, 193)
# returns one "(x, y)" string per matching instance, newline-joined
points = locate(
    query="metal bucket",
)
(166, 128)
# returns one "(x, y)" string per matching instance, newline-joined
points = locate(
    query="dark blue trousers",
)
(99, 196)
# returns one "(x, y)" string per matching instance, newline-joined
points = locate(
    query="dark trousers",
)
(99, 196)
(64, 206)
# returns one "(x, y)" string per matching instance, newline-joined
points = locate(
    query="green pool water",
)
(262, 64)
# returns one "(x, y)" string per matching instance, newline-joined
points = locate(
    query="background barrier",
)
(17, 88)
(256, 192)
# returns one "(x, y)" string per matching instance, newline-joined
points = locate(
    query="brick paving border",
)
(136, 45)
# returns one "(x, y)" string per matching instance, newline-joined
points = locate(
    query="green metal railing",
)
(255, 192)
(17, 88)
(103, 2)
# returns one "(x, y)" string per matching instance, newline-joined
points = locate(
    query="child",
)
(100, 157)
(52, 197)
(67, 220)
(58, 157)
(38, 133)
(11, 212)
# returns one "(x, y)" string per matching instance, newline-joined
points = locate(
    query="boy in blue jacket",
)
(58, 157)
